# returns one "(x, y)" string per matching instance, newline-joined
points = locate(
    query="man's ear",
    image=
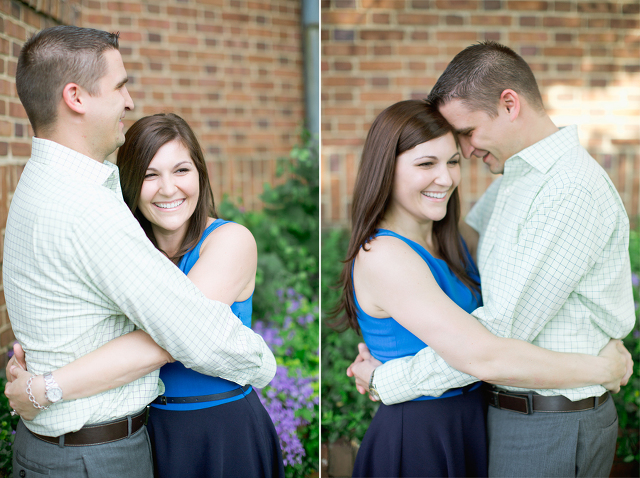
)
(510, 103)
(73, 96)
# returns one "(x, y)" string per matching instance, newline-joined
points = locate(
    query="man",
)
(553, 257)
(79, 270)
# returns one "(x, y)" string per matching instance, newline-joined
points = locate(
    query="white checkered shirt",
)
(554, 260)
(79, 271)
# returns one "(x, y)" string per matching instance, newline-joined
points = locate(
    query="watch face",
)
(54, 395)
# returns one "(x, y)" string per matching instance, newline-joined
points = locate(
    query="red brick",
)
(341, 50)
(417, 19)
(597, 7)
(449, 36)
(380, 65)
(346, 81)
(17, 111)
(21, 149)
(387, 35)
(565, 22)
(419, 49)
(382, 18)
(563, 51)
(343, 18)
(528, 37)
(374, 96)
(527, 5)
(390, 4)
(457, 4)
(503, 20)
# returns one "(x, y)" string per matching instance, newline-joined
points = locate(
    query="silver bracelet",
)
(32, 399)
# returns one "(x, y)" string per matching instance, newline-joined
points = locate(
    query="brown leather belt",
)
(532, 402)
(100, 434)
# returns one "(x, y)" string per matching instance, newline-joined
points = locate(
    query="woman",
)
(406, 268)
(202, 426)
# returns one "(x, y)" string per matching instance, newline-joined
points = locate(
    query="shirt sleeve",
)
(566, 241)
(425, 373)
(135, 279)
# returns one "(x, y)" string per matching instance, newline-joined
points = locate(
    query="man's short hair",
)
(55, 57)
(480, 73)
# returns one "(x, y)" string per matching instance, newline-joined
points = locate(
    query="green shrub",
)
(345, 413)
(285, 303)
(286, 230)
(628, 399)
(8, 426)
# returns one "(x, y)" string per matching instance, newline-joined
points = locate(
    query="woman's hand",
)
(619, 364)
(362, 368)
(16, 392)
(18, 359)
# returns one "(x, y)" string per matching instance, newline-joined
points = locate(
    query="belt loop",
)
(129, 426)
(530, 403)
(596, 399)
(61, 441)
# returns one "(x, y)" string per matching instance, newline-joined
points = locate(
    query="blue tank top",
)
(387, 339)
(180, 381)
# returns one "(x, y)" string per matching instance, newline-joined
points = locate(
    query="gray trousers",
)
(126, 458)
(561, 444)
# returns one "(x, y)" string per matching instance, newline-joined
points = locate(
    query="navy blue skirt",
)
(428, 438)
(236, 439)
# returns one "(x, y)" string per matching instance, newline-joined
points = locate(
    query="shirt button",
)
(507, 191)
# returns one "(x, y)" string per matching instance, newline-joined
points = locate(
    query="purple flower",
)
(293, 306)
(282, 398)
(636, 334)
(634, 279)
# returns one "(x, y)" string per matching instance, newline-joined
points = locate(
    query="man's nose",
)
(465, 147)
(128, 102)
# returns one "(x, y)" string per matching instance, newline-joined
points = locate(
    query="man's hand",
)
(620, 364)
(18, 360)
(362, 368)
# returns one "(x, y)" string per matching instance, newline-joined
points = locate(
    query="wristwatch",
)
(52, 390)
(373, 393)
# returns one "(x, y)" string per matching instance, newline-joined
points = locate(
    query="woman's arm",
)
(393, 281)
(116, 363)
(226, 269)
(225, 272)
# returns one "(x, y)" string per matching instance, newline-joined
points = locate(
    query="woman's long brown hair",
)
(397, 129)
(142, 141)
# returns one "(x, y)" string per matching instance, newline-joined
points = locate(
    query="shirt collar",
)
(71, 162)
(544, 154)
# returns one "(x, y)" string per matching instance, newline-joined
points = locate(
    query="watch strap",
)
(49, 385)
(373, 392)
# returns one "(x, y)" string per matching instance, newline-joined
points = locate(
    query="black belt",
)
(163, 400)
(101, 433)
(532, 402)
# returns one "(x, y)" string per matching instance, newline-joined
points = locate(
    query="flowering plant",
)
(292, 396)
(628, 399)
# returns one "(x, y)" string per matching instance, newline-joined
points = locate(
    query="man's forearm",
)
(425, 373)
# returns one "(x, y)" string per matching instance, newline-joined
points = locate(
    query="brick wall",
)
(585, 56)
(231, 68)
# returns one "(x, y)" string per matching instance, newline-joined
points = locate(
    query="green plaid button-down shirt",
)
(79, 271)
(554, 261)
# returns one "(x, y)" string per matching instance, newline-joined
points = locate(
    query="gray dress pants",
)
(126, 458)
(560, 444)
